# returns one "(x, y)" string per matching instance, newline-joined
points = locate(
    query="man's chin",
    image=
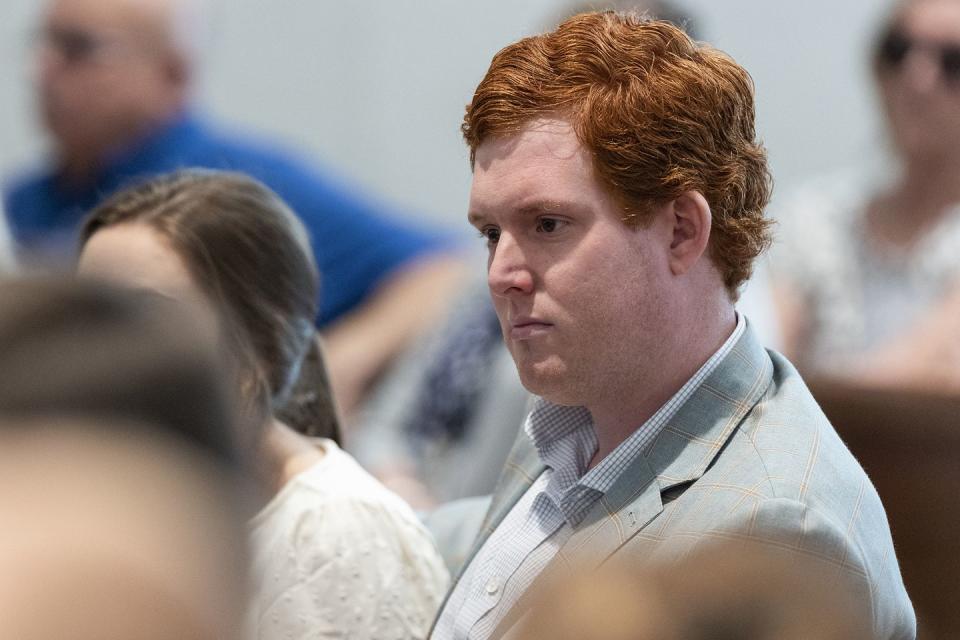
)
(551, 380)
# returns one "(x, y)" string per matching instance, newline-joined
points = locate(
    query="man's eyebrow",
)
(540, 207)
(534, 208)
(475, 219)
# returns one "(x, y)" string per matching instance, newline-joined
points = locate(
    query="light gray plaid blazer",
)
(750, 456)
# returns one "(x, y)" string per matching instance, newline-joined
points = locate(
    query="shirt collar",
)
(565, 440)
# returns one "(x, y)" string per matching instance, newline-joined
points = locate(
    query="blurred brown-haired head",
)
(123, 498)
(659, 113)
(724, 591)
(250, 256)
(77, 348)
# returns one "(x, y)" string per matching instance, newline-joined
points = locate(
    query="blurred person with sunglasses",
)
(867, 271)
(114, 82)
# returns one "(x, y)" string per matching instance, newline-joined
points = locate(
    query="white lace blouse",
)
(337, 555)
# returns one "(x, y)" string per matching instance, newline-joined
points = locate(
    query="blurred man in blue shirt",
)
(113, 80)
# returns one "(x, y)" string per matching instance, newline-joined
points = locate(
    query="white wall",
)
(377, 89)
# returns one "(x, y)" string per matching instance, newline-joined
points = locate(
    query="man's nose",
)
(508, 272)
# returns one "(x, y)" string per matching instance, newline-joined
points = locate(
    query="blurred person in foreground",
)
(107, 535)
(114, 83)
(334, 552)
(121, 486)
(620, 189)
(726, 590)
(867, 268)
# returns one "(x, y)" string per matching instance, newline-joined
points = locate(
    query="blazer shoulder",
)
(813, 495)
(793, 442)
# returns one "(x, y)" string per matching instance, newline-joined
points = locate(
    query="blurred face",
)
(108, 537)
(918, 66)
(580, 295)
(103, 68)
(136, 256)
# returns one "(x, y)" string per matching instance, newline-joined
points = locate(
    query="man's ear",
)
(691, 218)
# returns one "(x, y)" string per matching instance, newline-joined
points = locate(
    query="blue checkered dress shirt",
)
(550, 511)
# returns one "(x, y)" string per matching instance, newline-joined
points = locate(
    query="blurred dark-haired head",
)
(721, 591)
(122, 490)
(83, 349)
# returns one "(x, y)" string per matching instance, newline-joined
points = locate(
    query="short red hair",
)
(660, 114)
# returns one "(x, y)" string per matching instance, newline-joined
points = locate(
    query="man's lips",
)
(527, 328)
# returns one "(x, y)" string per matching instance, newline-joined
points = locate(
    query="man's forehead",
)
(541, 137)
(933, 19)
(545, 161)
(541, 170)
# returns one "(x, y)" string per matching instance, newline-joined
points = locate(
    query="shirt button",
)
(493, 585)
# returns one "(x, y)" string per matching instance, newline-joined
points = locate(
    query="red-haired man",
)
(620, 188)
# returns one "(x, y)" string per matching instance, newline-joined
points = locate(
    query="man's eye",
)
(491, 234)
(549, 225)
(73, 45)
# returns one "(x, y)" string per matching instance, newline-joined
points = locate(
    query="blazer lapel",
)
(610, 522)
(691, 441)
(681, 453)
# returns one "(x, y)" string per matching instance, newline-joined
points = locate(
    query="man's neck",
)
(620, 412)
(285, 454)
(82, 164)
(79, 171)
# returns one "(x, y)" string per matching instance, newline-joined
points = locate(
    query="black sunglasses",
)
(895, 46)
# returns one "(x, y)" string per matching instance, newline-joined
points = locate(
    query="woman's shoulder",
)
(336, 534)
(339, 498)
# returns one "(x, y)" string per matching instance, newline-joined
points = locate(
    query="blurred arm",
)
(362, 343)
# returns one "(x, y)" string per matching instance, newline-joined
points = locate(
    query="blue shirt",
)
(355, 245)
